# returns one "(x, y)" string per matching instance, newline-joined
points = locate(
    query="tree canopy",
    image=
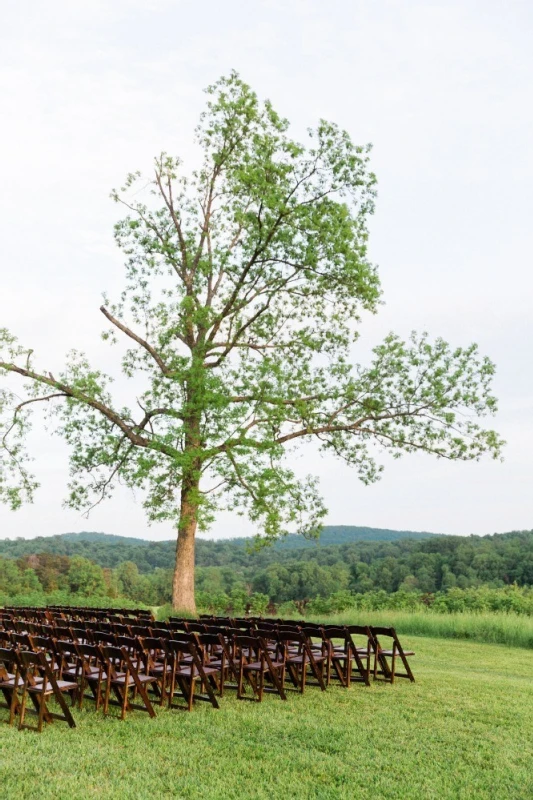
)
(245, 281)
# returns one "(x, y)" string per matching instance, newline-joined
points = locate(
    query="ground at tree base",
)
(463, 730)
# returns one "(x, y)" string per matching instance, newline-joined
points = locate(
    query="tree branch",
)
(142, 342)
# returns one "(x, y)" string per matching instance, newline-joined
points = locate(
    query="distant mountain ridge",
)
(94, 536)
(374, 552)
(331, 535)
(109, 550)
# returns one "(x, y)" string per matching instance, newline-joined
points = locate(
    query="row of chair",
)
(135, 662)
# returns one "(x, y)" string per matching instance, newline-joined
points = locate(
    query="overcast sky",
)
(92, 90)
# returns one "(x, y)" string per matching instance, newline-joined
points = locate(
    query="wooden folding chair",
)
(186, 670)
(348, 659)
(195, 627)
(10, 681)
(340, 655)
(319, 645)
(215, 653)
(363, 645)
(157, 664)
(255, 663)
(92, 674)
(382, 669)
(123, 677)
(104, 638)
(40, 683)
(66, 659)
(300, 658)
(46, 645)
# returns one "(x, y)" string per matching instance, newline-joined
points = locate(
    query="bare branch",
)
(27, 403)
(244, 483)
(105, 485)
(76, 394)
(142, 342)
(169, 202)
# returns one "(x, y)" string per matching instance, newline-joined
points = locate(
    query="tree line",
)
(230, 574)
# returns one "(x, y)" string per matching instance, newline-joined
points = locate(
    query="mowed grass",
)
(515, 630)
(463, 730)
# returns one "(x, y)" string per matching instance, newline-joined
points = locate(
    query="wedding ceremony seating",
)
(60, 655)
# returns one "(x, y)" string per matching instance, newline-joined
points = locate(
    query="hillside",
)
(142, 570)
(346, 534)
(105, 545)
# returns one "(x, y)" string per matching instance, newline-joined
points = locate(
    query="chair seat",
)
(121, 680)
(69, 673)
(160, 669)
(94, 675)
(390, 653)
(186, 671)
(216, 663)
(256, 666)
(47, 688)
(10, 682)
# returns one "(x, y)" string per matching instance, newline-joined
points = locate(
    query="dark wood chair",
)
(255, 664)
(91, 673)
(187, 670)
(363, 644)
(66, 659)
(216, 653)
(157, 664)
(382, 668)
(319, 646)
(195, 627)
(300, 659)
(340, 654)
(123, 677)
(10, 681)
(40, 683)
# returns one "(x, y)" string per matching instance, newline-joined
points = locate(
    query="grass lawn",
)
(463, 730)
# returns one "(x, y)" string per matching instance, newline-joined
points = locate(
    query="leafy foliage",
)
(245, 281)
(406, 574)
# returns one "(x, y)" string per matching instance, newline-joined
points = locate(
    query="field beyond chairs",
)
(115, 657)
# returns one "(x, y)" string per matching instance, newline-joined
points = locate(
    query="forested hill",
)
(109, 550)
(142, 570)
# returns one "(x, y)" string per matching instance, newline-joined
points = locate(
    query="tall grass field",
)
(515, 630)
(463, 730)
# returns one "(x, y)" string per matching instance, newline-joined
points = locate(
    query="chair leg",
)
(106, 695)
(41, 711)
(191, 691)
(13, 703)
(240, 680)
(22, 712)
(124, 705)
(348, 669)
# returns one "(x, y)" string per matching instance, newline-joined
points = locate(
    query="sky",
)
(90, 91)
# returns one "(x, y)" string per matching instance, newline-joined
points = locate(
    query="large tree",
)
(245, 279)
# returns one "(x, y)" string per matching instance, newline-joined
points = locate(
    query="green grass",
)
(515, 630)
(491, 627)
(464, 730)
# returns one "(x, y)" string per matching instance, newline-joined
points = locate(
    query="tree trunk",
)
(183, 581)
